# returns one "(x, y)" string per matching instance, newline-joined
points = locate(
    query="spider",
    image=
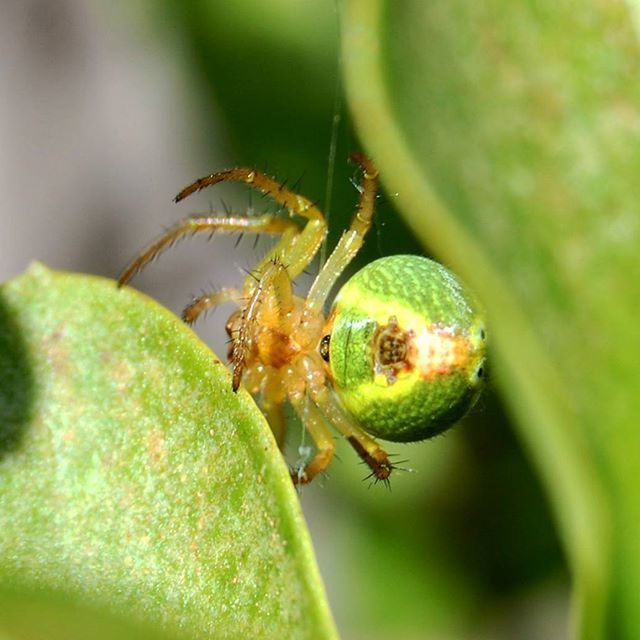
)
(400, 355)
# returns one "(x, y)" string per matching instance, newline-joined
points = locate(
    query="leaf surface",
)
(134, 479)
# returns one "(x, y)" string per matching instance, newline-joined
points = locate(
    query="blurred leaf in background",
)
(512, 138)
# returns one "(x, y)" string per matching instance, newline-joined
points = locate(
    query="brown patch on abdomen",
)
(393, 350)
(432, 350)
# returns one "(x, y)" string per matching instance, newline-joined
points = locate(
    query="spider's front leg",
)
(351, 240)
(294, 250)
(193, 225)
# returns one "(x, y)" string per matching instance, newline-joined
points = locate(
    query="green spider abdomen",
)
(407, 348)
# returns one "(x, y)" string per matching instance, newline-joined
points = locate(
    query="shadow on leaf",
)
(16, 381)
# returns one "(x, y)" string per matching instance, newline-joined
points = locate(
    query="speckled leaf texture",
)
(510, 132)
(133, 479)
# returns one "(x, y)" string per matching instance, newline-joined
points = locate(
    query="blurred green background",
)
(507, 139)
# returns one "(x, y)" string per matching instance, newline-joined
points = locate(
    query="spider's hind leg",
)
(372, 454)
(274, 412)
(313, 421)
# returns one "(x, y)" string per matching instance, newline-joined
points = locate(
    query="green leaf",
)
(134, 479)
(510, 132)
(26, 614)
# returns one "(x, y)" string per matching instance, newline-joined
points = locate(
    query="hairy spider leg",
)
(296, 251)
(208, 301)
(351, 240)
(192, 225)
(266, 323)
(315, 424)
(372, 454)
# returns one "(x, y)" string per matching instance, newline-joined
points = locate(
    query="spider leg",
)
(314, 423)
(372, 454)
(295, 203)
(197, 224)
(266, 320)
(295, 251)
(209, 300)
(351, 240)
(274, 412)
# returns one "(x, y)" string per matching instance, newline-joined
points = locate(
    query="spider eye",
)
(324, 347)
(478, 375)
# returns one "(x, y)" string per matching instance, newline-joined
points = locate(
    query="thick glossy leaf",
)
(511, 133)
(132, 477)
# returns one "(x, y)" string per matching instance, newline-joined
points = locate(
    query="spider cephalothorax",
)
(400, 354)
